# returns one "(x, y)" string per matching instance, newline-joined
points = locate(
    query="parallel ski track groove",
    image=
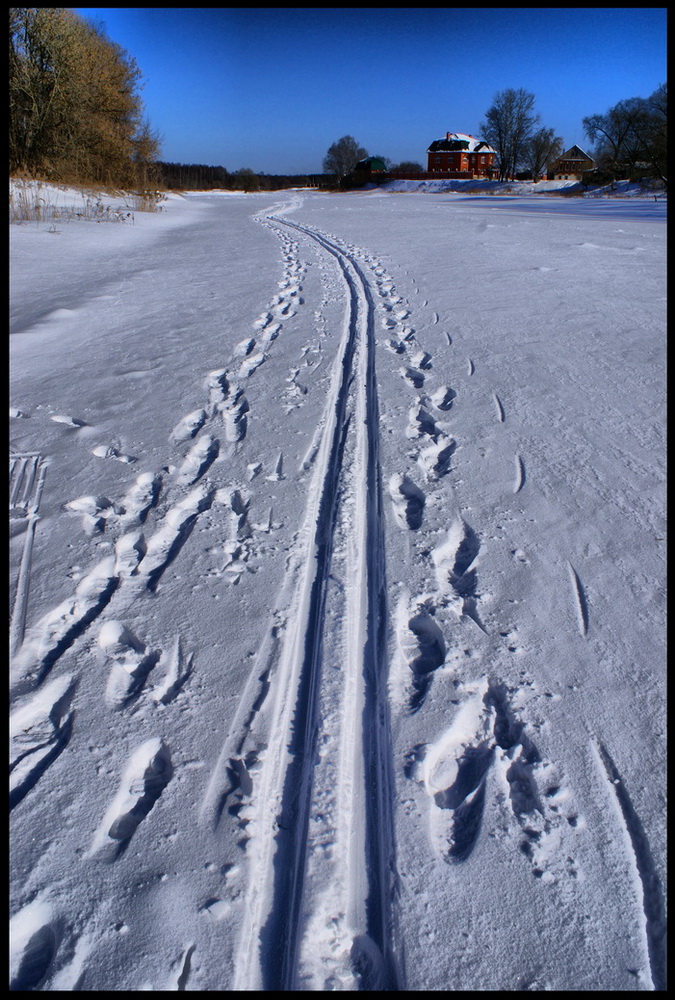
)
(280, 935)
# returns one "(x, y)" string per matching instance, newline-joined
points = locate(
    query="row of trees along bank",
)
(629, 140)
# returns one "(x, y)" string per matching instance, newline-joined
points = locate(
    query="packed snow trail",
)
(360, 881)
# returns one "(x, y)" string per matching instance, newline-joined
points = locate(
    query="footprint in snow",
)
(177, 667)
(94, 511)
(39, 729)
(147, 774)
(68, 421)
(408, 501)
(188, 427)
(103, 451)
(131, 663)
(486, 736)
(34, 940)
(199, 458)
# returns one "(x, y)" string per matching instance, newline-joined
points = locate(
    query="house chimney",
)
(447, 135)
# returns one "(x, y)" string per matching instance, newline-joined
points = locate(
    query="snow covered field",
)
(337, 591)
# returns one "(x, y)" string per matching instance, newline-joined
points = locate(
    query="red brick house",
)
(461, 156)
(571, 165)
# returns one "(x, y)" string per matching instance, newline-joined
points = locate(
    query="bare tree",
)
(343, 156)
(544, 147)
(655, 133)
(612, 135)
(508, 127)
(632, 136)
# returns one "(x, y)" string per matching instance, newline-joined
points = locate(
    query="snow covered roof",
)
(459, 141)
(575, 153)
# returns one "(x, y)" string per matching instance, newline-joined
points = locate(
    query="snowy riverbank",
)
(337, 551)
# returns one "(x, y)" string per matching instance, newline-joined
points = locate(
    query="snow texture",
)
(337, 592)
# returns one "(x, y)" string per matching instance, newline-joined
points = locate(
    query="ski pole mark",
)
(580, 600)
(653, 904)
(520, 475)
(501, 415)
(185, 968)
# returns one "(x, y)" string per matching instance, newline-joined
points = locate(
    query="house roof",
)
(455, 141)
(575, 153)
(371, 163)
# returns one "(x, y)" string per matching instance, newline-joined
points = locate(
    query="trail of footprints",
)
(485, 757)
(41, 725)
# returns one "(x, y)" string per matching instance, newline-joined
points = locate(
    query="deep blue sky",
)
(272, 88)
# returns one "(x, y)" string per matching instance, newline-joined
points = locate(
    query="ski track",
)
(362, 919)
(307, 770)
(26, 482)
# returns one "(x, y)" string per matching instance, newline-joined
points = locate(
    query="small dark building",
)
(371, 165)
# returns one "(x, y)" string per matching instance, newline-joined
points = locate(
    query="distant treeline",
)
(200, 177)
